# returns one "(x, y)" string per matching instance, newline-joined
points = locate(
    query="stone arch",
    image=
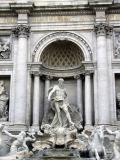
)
(78, 40)
(62, 55)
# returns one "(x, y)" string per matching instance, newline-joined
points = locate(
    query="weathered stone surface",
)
(33, 58)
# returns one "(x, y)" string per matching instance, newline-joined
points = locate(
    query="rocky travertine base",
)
(57, 154)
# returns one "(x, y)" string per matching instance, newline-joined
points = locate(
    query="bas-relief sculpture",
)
(4, 49)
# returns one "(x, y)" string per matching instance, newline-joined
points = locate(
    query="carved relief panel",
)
(117, 45)
(5, 48)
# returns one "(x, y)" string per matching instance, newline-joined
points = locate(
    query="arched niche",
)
(62, 55)
(68, 36)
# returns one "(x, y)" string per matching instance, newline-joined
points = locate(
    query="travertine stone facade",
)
(41, 41)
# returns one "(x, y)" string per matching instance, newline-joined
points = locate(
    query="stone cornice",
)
(56, 73)
(6, 65)
(116, 64)
(46, 10)
(89, 65)
(22, 7)
(89, 9)
(34, 66)
(100, 2)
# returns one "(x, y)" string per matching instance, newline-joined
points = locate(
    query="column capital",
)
(21, 30)
(100, 29)
(77, 76)
(36, 73)
(88, 72)
(48, 77)
(103, 29)
(109, 31)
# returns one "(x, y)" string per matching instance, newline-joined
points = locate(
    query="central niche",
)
(62, 55)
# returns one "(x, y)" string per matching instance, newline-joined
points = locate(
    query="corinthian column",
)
(79, 93)
(102, 72)
(21, 75)
(36, 100)
(111, 88)
(88, 100)
(47, 86)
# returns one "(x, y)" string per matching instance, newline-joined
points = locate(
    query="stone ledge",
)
(100, 2)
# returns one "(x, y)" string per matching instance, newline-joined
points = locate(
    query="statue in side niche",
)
(3, 102)
(116, 146)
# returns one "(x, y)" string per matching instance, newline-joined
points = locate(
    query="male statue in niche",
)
(58, 96)
(3, 102)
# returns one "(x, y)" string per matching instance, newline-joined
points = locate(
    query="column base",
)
(17, 127)
(88, 127)
(35, 127)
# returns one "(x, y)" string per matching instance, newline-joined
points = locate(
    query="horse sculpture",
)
(95, 144)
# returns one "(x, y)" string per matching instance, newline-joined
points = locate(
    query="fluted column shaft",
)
(88, 100)
(111, 88)
(79, 93)
(21, 75)
(36, 100)
(47, 86)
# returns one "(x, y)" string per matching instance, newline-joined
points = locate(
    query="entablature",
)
(38, 68)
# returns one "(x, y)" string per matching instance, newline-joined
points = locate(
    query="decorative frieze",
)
(8, 20)
(61, 18)
(114, 16)
(64, 73)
